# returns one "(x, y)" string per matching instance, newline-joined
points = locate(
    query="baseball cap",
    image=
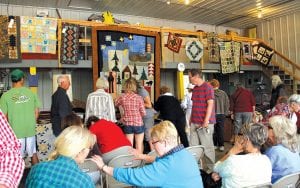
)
(16, 75)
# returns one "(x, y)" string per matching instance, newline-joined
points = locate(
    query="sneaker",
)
(221, 148)
(216, 147)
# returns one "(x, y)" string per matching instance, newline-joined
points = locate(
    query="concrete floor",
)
(220, 154)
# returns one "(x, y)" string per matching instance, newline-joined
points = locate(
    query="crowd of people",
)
(262, 152)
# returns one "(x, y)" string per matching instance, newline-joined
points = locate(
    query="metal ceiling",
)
(231, 13)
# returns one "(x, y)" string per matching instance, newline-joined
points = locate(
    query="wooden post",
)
(294, 81)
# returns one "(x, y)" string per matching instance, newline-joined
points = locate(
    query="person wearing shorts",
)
(21, 107)
(134, 111)
(28, 146)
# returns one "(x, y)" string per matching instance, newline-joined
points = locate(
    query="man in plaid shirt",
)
(11, 162)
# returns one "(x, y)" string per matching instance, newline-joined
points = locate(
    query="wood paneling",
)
(284, 33)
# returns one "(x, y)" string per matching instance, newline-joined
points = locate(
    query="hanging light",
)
(259, 15)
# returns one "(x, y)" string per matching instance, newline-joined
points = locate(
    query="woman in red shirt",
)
(110, 138)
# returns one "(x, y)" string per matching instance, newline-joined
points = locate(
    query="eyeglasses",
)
(154, 142)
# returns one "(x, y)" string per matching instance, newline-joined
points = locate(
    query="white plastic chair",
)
(265, 185)
(288, 181)
(197, 152)
(91, 168)
(123, 161)
(151, 153)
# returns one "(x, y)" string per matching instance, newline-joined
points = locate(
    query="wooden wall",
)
(283, 34)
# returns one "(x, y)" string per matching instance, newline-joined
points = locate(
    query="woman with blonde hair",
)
(134, 111)
(175, 166)
(283, 152)
(71, 148)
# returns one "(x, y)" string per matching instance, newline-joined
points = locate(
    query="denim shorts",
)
(129, 129)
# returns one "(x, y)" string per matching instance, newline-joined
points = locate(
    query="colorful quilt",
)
(213, 47)
(38, 35)
(69, 44)
(174, 43)
(230, 53)
(3, 37)
(10, 40)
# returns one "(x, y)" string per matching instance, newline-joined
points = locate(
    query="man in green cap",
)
(21, 107)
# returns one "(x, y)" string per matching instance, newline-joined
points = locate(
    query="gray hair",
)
(257, 133)
(61, 78)
(102, 83)
(285, 131)
(277, 79)
(294, 98)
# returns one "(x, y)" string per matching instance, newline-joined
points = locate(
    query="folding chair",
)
(288, 181)
(91, 168)
(122, 161)
(197, 152)
(151, 153)
(265, 185)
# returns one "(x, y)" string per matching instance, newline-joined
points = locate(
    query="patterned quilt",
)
(213, 47)
(230, 53)
(9, 37)
(69, 44)
(38, 35)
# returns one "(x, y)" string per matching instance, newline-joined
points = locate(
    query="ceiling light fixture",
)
(79, 7)
(168, 2)
(186, 2)
(259, 15)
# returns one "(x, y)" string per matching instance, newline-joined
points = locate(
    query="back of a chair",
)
(197, 152)
(122, 161)
(288, 181)
(151, 153)
(265, 185)
(91, 168)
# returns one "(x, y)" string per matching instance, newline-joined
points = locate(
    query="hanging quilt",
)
(230, 56)
(174, 43)
(213, 47)
(263, 54)
(69, 44)
(38, 35)
(194, 50)
(3, 37)
(10, 41)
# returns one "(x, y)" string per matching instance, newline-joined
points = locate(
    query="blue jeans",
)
(218, 135)
(241, 118)
(129, 129)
